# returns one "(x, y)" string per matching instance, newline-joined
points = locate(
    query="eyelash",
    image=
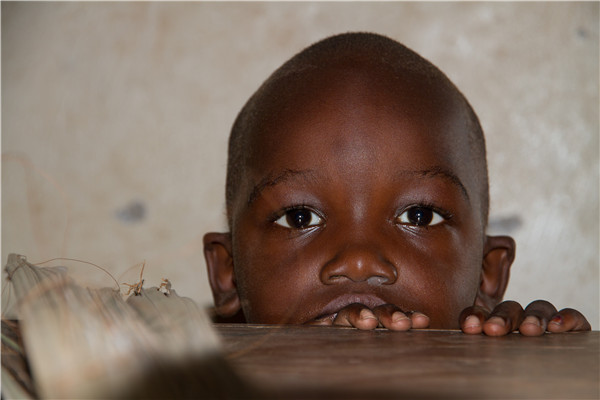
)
(439, 217)
(282, 217)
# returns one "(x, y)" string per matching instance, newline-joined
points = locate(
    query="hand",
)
(385, 316)
(539, 317)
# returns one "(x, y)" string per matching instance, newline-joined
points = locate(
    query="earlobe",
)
(498, 256)
(219, 263)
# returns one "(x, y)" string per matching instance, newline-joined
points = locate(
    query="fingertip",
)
(367, 325)
(495, 326)
(366, 320)
(556, 324)
(399, 322)
(472, 325)
(571, 320)
(419, 320)
(531, 326)
(471, 319)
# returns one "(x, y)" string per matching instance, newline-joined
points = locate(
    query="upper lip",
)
(339, 302)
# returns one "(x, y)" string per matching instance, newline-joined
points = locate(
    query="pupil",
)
(299, 218)
(420, 216)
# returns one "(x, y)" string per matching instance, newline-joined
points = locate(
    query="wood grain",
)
(326, 362)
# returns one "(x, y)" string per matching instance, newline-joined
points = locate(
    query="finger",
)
(471, 319)
(392, 317)
(505, 318)
(568, 319)
(356, 315)
(418, 319)
(324, 321)
(536, 317)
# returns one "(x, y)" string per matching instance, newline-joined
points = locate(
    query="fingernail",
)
(398, 316)
(472, 321)
(419, 316)
(497, 321)
(556, 320)
(366, 314)
(531, 320)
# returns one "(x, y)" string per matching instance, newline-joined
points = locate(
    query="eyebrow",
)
(441, 172)
(308, 174)
(274, 179)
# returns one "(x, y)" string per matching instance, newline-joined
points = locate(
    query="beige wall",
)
(115, 118)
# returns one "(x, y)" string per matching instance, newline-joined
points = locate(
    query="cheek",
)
(442, 296)
(273, 281)
(440, 281)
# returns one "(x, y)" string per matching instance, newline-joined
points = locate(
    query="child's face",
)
(357, 191)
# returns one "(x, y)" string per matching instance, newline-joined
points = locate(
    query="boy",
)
(356, 194)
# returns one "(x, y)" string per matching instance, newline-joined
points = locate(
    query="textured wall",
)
(115, 119)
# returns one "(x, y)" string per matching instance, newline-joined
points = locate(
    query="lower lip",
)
(344, 301)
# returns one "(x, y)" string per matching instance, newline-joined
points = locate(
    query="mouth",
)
(330, 310)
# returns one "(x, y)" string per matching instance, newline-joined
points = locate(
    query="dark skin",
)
(359, 207)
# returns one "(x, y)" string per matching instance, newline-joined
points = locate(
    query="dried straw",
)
(92, 343)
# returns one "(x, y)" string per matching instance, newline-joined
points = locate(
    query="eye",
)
(299, 218)
(419, 216)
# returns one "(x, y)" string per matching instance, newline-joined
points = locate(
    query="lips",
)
(335, 305)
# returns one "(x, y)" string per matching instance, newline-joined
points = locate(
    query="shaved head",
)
(387, 64)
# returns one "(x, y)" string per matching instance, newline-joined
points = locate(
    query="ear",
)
(219, 263)
(498, 256)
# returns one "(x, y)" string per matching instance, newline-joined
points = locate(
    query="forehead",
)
(351, 113)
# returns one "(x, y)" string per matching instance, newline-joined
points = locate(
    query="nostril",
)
(359, 264)
(377, 280)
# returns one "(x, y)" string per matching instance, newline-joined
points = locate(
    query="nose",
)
(359, 263)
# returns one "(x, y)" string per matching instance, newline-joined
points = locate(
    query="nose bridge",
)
(359, 259)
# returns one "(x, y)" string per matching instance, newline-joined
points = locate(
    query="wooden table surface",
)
(327, 362)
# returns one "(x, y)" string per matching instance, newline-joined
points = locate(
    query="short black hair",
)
(382, 51)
